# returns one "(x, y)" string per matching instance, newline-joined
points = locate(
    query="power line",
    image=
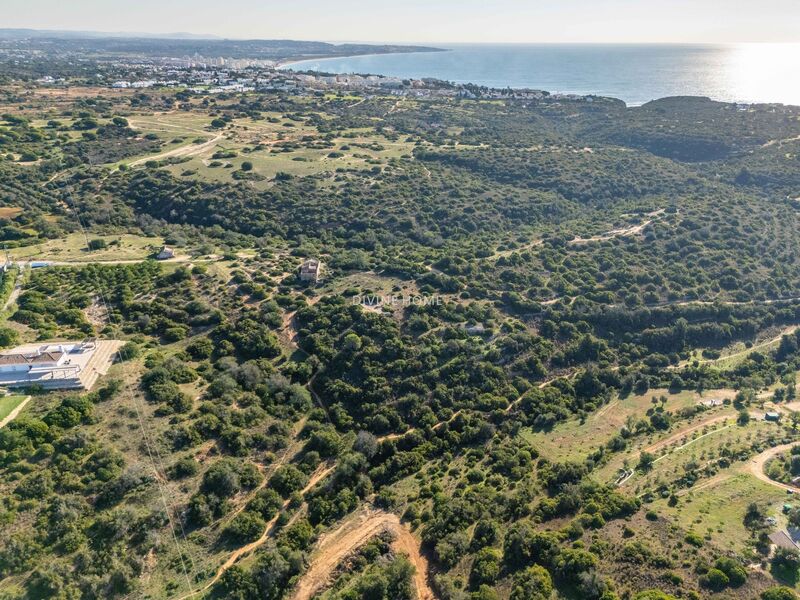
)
(139, 412)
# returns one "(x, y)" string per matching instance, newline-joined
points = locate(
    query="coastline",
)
(634, 73)
(283, 63)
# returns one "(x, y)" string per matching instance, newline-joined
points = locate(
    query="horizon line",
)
(198, 37)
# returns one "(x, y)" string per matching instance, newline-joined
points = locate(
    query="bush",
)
(778, 593)
(185, 467)
(246, 527)
(486, 566)
(693, 539)
(534, 583)
(715, 580)
(735, 572)
(287, 479)
(97, 244)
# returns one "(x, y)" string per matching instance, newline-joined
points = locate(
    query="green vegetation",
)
(573, 411)
(9, 403)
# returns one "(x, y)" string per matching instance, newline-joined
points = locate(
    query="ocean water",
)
(631, 72)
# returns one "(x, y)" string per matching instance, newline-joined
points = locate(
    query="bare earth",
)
(354, 532)
(756, 466)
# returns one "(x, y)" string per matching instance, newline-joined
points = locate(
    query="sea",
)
(634, 73)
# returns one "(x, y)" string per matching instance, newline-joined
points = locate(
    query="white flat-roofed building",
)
(57, 365)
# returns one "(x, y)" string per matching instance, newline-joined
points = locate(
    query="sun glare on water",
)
(753, 72)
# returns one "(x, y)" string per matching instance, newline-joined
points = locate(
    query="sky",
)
(427, 21)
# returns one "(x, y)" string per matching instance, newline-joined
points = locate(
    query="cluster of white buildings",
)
(223, 75)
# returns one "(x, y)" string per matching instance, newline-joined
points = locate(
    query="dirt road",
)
(181, 151)
(756, 466)
(354, 532)
(318, 476)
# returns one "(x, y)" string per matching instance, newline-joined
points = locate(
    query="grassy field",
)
(693, 451)
(73, 248)
(574, 439)
(276, 144)
(9, 403)
(716, 510)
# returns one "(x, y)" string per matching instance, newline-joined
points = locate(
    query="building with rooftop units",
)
(57, 365)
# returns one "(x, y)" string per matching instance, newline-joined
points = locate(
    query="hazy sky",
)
(427, 20)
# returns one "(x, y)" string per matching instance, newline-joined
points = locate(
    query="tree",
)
(200, 348)
(523, 546)
(646, 460)
(735, 572)
(534, 583)
(486, 566)
(366, 443)
(287, 479)
(238, 584)
(574, 561)
(247, 166)
(8, 337)
(743, 418)
(485, 534)
(246, 527)
(786, 559)
(222, 479)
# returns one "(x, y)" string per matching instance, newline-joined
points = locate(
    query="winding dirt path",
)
(354, 532)
(756, 466)
(318, 476)
(181, 151)
(678, 435)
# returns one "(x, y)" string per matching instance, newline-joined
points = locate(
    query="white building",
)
(311, 270)
(166, 253)
(57, 365)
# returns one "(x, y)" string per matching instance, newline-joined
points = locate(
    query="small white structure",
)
(166, 253)
(57, 365)
(311, 270)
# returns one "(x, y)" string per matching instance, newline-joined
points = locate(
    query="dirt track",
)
(354, 532)
(756, 466)
(189, 150)
(318, 476)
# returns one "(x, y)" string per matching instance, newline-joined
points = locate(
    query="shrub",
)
(486, 566)
(246, 527)
(715, 580)
(694, 539)
(534, 583)
(778, 593)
